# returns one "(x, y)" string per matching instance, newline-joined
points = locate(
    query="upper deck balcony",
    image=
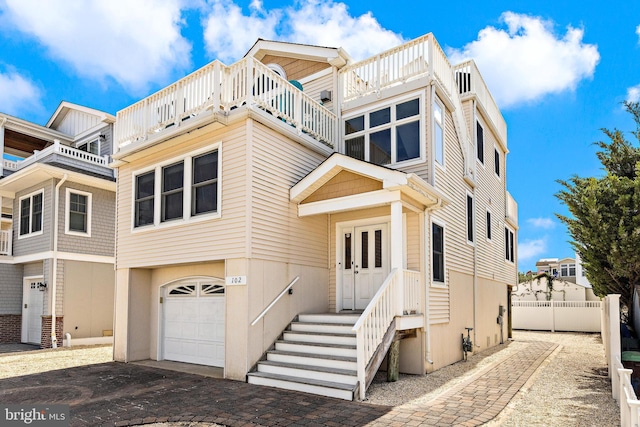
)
(512, 210)
(62, 155)
(470, 83)
(217, 90)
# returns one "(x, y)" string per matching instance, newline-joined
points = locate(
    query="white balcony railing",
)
(5, 242)
(374, 322)
(470, 81)
(219, 88)
(57, 148)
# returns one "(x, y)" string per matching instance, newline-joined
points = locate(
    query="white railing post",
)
(613, 302)
(217, 85)
(361, 364)
(249, 82)
(553, 316)
(397, 251)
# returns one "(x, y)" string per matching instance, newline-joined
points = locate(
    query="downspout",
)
(475, 247)
(54, 268)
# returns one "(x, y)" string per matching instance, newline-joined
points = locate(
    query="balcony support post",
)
(397, 252)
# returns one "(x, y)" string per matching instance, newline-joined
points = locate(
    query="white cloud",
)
(638, 32)
(131, 42)
(541, 222)
(528, 60)
(633, 94)
(531, 249)
(317, 22)
(18, 94)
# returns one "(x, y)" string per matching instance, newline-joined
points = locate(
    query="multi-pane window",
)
(437, 252)
(488, 225)
(92, 147)
(509, 245)
(385, 136)
(78, 220)
(480, 142)
(567, 270)
(496, 155)
(185, 189)
(31, 214)
(172, 195)
(438, 126)
(204, 187)
(469, 218)
(144, 199)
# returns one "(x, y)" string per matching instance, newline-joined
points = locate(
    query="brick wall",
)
(10, 328)
(45, 341)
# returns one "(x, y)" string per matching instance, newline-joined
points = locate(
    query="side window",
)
(496, 162)
(172, 192)
(488, 225)
(204, 193)
(78, 215)
(509, 245)
(480, 142)
(144, 199)
(31, 214)
(470, 218)
(437, 252)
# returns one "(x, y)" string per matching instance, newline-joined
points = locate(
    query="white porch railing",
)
(5, 242)
(220, 88)
(412, 292)
(629, 403)
(372, 325)
(470, 81)
(57, 148)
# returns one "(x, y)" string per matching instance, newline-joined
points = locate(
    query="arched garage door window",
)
(193, 321)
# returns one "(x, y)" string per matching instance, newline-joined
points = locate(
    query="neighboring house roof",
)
(64, 108)
(39, 172)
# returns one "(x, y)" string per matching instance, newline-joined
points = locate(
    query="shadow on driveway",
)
(127, 394)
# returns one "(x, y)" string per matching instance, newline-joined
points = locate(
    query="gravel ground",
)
(571, 388)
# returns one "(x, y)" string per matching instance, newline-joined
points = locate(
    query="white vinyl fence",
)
(621, 388)
(567, 316)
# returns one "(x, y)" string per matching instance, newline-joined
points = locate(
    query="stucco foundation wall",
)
(10, 289)
(88, 302)
(446, 338)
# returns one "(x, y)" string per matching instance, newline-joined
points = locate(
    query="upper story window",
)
(438, 129)
(437, 252)
(567, 270)
(178, 190)
(488, 225)
(78, 214)
(509, 245)
(385, 136)
(480, 142)
(92, 147)
(470, 231)
(31, 208)
(496, 155)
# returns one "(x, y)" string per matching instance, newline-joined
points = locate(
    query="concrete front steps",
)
(317, 354)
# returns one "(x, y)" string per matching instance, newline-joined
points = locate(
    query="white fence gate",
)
(567, 316)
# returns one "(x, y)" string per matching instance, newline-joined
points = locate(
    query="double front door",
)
(364, 263)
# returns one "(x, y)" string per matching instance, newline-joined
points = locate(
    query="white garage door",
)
(193, 322)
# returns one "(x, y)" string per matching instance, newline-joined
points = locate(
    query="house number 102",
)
(236, 280)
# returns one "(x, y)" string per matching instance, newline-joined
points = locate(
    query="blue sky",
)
(558, 70)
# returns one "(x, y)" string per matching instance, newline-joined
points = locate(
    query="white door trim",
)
(26, 302)
(340, 226)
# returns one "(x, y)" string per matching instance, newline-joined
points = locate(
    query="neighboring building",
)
(537, 290)
(376, 190)
(57, 228)
(581, 276)
(564, 269)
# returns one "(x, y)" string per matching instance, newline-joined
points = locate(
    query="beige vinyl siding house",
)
(57, 263)
(340, 211)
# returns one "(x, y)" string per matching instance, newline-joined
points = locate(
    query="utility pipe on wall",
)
(54, 267)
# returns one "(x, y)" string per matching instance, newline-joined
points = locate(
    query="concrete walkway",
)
(129, 394)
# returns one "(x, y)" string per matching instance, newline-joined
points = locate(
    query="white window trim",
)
(277, 69)
(484, 140)
(442, 165)
(157, 198)
(515, 244)
(68, 212)
(474, 230)
(30, 233)
(434, 283)
(496, 150)
(389, 102)
(490, 240)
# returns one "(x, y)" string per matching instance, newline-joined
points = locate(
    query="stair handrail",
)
(383, 305)
(284, 291)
